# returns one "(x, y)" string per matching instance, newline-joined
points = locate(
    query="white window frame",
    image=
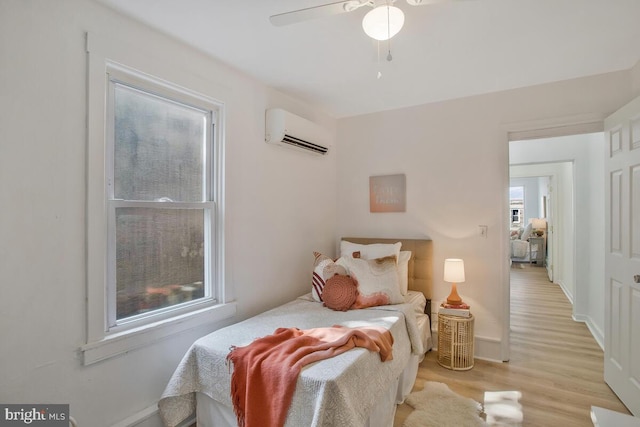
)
(104, 339)
(117, 75)
(520, 211)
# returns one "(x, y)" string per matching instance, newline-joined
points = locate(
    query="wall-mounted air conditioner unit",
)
(287, 129)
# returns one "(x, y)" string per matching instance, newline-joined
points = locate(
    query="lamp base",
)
(454, 298)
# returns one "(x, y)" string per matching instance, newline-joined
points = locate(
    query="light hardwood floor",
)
(555, 362)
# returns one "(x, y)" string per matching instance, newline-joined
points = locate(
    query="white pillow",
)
(380, 250)
(372, 251)
(403, 271)
(527, 232)
(417, 300)
(377, 280)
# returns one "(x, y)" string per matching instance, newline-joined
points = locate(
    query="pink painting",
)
(387, 193)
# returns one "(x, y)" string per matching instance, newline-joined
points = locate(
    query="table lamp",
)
(539, 225)
(454, 273)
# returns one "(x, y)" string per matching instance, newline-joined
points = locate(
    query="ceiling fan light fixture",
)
(383, 22)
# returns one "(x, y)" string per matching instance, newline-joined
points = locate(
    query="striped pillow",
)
(323, 269)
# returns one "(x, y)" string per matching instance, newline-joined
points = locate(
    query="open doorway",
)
(546, 188)
(531, 223)
(575, 166)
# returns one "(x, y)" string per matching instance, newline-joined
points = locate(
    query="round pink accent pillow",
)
(339, 292)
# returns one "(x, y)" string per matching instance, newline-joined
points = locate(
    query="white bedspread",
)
(519, 248)
(335, 392)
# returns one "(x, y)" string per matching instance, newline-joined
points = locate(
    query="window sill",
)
(113, 345)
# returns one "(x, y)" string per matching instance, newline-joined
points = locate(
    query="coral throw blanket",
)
(266, 371)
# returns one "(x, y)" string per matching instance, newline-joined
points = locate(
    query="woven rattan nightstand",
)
(455, 342)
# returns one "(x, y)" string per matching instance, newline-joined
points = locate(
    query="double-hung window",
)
(161, 212)
(155, 262)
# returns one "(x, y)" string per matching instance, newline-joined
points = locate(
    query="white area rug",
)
(437, 406)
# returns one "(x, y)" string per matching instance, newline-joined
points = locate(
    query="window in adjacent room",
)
(516, 206)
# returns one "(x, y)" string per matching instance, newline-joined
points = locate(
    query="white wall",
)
(580, 265)
(636, 79)
(543, 191)
(593, 313)
(280, 206)
(455, 157)
(568, 226)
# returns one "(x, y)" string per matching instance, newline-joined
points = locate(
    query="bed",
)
(354, 388)
(521, 249)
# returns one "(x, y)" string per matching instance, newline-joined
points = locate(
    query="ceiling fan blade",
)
(314, 12)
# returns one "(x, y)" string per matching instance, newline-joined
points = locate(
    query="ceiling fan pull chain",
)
(389, 57)
(379, 72)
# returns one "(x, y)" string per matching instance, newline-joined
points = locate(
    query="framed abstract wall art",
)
(387, 193)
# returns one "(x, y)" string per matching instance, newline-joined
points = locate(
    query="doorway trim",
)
(533, 129)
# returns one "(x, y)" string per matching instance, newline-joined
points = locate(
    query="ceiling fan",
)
(381, 23)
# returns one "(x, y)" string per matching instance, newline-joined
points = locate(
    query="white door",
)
(622, 255)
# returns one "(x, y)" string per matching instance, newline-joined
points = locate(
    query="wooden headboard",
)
(420, 264)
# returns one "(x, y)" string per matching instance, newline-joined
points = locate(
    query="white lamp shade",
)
(538, 223)
(453, 270)
(383, 22)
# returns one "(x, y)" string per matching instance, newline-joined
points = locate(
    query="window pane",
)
(516, 205)
(159, 258)
(159, 148)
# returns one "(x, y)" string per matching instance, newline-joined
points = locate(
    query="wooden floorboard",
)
(555, 362)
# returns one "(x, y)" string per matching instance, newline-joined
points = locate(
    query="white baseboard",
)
(597, 334)
(488, 349)
(484, 348)
(143, 418)
(150, 417)
(566, 291)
